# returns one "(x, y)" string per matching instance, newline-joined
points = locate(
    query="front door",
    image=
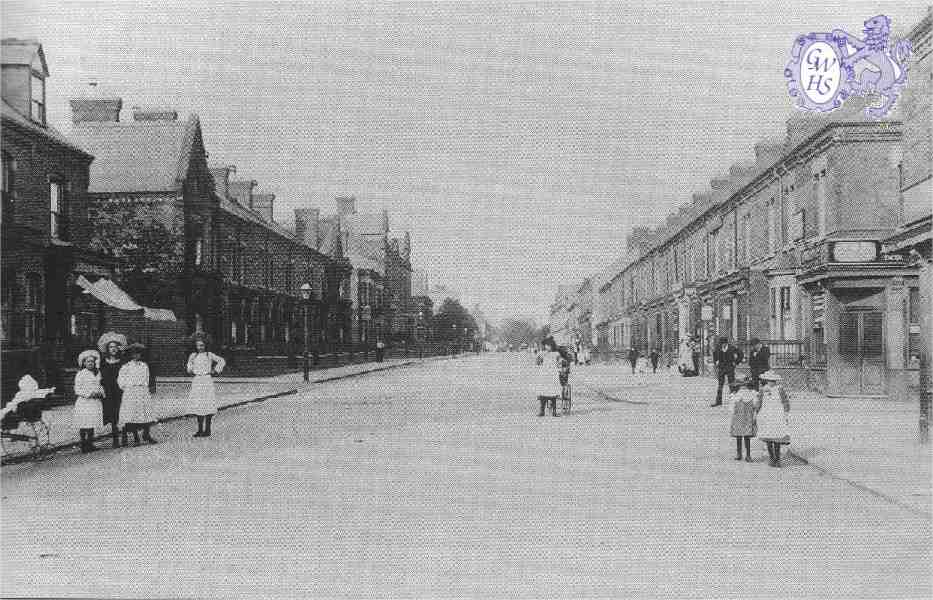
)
(861, 352)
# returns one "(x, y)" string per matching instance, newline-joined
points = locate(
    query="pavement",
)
(439, 481)
(170, 400)
(868, 443)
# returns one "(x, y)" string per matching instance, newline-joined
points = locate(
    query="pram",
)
(22, 422)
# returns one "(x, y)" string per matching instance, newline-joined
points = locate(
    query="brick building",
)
(45, 180)
(192, 240)
(808, 249)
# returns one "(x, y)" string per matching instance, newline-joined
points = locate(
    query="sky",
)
(518, 142)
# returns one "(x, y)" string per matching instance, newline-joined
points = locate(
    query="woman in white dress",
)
(89, 409)
(136, 410)
(202, 401)
(547, 381)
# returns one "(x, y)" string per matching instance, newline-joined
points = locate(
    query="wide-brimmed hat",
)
(755, 341)
(135, 347)
(770, 375)
(111, 336)
(88, 353)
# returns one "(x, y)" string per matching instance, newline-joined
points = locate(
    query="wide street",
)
(438, 480)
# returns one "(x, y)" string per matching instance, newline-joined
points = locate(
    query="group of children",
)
(117, 392)
(760, 413)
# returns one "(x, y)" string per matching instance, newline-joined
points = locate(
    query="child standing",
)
(744, 400)
(136, 410)
(202, 401)
(773, 429)
(89, 410)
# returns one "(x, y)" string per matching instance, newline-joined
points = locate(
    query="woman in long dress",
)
(202, 400)
(773, 428)
(136, 410)
(547, 385)
(88, 410)
(109, 370)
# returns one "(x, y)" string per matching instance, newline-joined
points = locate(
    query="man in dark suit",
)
(759, 359)
(725, 357)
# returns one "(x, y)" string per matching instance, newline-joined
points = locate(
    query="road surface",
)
(440, 481)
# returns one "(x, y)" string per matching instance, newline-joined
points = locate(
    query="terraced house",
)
(192, 240)
(817, 248)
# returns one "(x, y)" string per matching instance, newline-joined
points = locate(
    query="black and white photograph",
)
(483, 299)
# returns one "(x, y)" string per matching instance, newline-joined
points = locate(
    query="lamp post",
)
(306, 297)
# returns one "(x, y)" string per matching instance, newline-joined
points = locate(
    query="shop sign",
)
(706, 312)
(854, 251)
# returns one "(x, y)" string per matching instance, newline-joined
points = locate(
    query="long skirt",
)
(136, 406)
(88, 413)
(201, 399)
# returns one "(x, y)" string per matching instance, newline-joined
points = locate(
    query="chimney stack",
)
(262, 204)
(346, 205)
(768, 152)
(308, 226)
(154, 114)
(89, 110)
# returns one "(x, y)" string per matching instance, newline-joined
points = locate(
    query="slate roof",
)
(138, 156)
(50, 133)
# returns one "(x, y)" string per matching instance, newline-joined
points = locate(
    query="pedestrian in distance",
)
(743, 403)
(633, 358)
(202, 398)
(695, 353)
(380, 350)
(88, 410)
(773, 428)
(685, 359)
(759, 360)
(654, 356)
(136, 410)
(109, 370)
(725, 358)
(547, 386)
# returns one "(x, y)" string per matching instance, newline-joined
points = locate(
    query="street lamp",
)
(306, 296)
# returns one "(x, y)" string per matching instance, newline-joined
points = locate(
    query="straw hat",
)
(770, 375)
(110, 336)
(134, 348)
(88, 354)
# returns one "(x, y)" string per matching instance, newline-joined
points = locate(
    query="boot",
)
(115, 435)
(543, 402)
(207, 425)
(554, 406)
(90, 441)
(200, 432)
(123, 439)
(777, 456)
(83, 445)
(738, 448)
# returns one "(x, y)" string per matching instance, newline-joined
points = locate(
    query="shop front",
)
(864, 312)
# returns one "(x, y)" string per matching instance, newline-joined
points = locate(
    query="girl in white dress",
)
(773, 428)
(546, 381)
(89, 410)
(136, 410)
(202, 401)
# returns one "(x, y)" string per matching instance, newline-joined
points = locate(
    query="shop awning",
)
(110, 294)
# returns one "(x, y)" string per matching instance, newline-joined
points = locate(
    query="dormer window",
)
(37, 107)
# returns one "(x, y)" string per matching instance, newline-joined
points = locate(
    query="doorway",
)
(861, 352)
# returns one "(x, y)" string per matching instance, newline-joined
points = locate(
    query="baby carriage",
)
(21, 425)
